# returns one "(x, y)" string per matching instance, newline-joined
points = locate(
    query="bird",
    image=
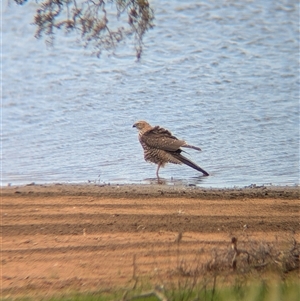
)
(161, 147)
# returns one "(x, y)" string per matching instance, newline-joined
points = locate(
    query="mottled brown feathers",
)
(161, 147)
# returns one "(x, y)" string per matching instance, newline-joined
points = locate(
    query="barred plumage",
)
(161, 147)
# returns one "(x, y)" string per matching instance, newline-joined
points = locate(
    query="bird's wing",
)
(161, 138)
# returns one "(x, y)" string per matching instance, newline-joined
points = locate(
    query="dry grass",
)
(234, 272)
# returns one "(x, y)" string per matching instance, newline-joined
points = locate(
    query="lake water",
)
(223, 75)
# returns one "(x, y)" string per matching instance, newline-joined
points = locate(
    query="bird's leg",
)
(158, 167)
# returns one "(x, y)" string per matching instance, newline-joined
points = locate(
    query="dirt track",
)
(62, 238)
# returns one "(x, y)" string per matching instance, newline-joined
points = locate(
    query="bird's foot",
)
(161, 181)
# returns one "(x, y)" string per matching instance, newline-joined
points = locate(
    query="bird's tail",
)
(188, 162)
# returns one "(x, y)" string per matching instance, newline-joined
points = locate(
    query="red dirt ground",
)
(62, 238)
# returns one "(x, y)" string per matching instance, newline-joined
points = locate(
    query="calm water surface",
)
(223, 75)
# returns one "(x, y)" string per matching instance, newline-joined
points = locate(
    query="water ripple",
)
(223, 76)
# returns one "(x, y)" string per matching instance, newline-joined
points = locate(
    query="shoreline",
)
(151, 190)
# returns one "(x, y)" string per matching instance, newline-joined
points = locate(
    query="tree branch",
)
(90, 18)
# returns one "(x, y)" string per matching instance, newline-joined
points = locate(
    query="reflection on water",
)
(192, 181)
(221, 76)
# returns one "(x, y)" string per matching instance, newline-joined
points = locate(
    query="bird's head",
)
(142, 126)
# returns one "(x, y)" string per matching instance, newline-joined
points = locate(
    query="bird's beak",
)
(134, 126)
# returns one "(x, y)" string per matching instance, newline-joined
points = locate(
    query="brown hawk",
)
(161, 147)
